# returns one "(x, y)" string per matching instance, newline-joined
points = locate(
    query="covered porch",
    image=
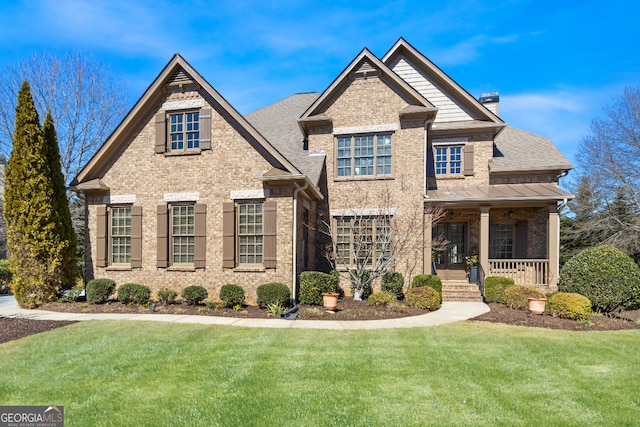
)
(512, 229)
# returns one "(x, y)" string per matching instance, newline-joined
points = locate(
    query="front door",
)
(451, 262)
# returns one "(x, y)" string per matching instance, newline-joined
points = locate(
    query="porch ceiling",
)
(497, 194)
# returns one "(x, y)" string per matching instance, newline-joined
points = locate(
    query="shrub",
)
(429, 280)
(364, 276)
(133, 293)
(314, 283)
(569, 306)
(232, 295)
(194, 294)
(518, 296)
(72, 294)
(381, 298)
(424, 297)
(99, 290)
(5, 276)
(273, 293)
(167, 296)
(393, 282)
(494, 287)
(606, 276)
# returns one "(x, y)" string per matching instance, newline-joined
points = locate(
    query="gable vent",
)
(365, 69)
(179, 77)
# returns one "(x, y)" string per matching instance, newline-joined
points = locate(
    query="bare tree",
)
(610, 159)
(366, 243)
(85, 101)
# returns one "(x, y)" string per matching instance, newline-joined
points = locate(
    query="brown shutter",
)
(163, 231)
(161, 133)
(228, 235)
(200, 234)
(101, 237)
(136, 237)
(269, 232)
(205, 129)
(468, 160)
(522, 232)
(431, 170)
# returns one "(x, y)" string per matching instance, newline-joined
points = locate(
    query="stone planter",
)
(537, 305)
(473, 275)
(330, 301)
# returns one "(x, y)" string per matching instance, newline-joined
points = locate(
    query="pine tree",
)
(37, 237)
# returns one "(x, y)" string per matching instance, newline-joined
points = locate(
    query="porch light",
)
(510, 214)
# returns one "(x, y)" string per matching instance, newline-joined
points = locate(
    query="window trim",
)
(171, 236)
(185, 132)
(448, 147)
(110, 235)
(387, 221)
(352, 157)
(237, 233)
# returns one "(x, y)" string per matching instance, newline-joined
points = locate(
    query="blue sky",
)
(555, 63)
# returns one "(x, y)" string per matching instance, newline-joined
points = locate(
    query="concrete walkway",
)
(449, 312)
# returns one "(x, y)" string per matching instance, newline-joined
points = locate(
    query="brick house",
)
(188, 191)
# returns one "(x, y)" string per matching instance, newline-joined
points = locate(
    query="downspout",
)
(294, 268)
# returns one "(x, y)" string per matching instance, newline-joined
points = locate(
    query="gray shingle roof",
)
(517, 150)
(278, 124)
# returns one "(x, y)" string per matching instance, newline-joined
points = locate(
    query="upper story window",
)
(184, 131)
(448, 160)
(362, 156)
(451, 157)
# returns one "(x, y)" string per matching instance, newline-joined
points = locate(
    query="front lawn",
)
(472, 373)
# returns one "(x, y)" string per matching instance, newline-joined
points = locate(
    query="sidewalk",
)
(449, 312)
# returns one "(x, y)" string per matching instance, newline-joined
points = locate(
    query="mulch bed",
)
(500, 313)
(348, 309)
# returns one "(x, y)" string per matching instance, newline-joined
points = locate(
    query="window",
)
(363, 240)
(501, 241)
(363, 156)
(448, 160)
(120, 233)
(119, 236)
(250, 236)
(182, 234)
(184, 131)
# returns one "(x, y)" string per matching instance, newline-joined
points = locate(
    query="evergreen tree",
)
(37, 239)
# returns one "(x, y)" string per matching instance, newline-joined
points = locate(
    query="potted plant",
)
(537, 305)
(330, 300)
(330, 292)
(472, 266)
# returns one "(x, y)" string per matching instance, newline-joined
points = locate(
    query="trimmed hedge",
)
(569, 306)
(134, 293)
(494, 287)
(99, 290)
(517, 296)
(381, 298)
(5, 275)
(606, 276)
(430, 280)
(424, 297)
(194, 294)
(393, 282)
(167, 296)
(314, 283)
(273, 293)
(232, 295)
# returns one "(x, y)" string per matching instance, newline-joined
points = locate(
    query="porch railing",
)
(522, 271)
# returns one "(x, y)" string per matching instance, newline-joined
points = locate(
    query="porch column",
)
(426, 248)
(553, 246)
(484, 239)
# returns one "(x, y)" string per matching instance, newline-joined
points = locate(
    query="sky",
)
(556, 64)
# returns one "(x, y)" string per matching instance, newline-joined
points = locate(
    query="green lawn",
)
(159, 374)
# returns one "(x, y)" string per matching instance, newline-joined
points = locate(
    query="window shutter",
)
(101, 237)
(431, 171)
(468, 160)
(205, 129)
(161, 133)
(163, 231)
(228, 235)
(522, 232)
(200, 212)
(136, 237)
(269, 232)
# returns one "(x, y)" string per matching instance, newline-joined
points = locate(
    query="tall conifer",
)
(36, 235)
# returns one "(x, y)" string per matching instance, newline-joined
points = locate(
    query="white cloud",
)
(468, 50)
